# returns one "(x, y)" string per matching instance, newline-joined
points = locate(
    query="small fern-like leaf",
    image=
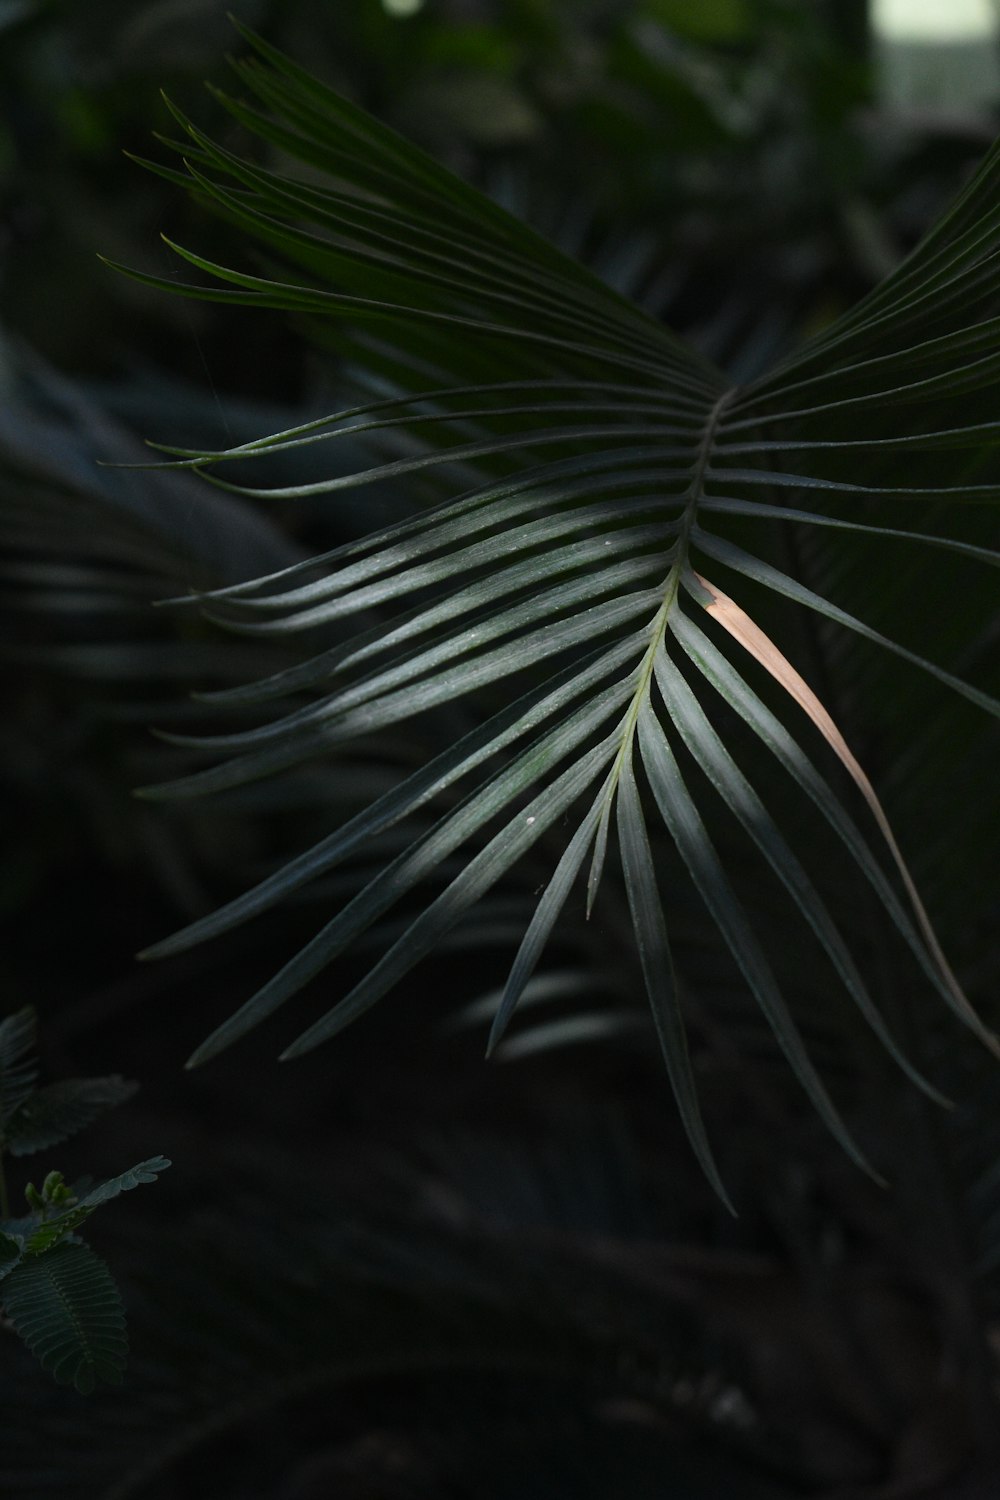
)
(51, 1231)
(60, 1110)
(66, 1308)
(145, 1171)
(18, 1069)
(11, 1250)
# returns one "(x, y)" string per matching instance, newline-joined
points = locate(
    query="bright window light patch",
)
(402, 7)
(938, 54)
(934, 20)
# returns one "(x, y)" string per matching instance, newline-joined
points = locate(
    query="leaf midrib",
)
(671, 587)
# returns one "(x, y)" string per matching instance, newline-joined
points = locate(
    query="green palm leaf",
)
(580, 449)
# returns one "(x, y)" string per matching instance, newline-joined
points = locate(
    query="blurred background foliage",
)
(727, 160)
(388, 1270)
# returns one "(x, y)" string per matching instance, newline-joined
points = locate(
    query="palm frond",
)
(604, 468)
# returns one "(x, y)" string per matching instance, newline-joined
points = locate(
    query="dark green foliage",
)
(32, 1117)
(57, 1111)
(67, 1309)
(56, 1293)
(487, 1306)
(18, 1064)
(56, 1226)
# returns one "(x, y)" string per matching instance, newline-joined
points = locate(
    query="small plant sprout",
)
(56, 1294)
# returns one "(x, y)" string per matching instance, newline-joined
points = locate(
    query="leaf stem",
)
(672, 583)
(657, 631)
